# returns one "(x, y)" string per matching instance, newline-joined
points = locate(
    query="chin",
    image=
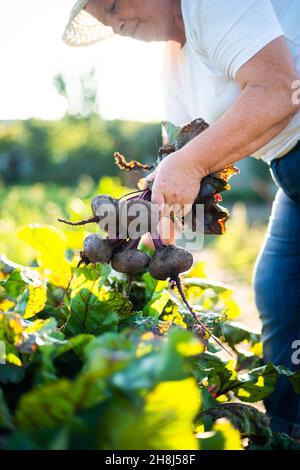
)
(146, 35)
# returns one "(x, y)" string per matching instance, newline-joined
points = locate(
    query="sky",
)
(32, 53)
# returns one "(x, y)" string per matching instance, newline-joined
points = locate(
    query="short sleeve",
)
(174, 109)
(233, 31)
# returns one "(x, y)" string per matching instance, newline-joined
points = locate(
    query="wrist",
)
(192, 158)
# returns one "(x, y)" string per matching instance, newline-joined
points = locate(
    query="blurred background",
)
(63, 114)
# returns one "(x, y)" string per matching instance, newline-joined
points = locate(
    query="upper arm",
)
(272, 66)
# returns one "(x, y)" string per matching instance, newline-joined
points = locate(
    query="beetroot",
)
(169, 261)
(97, 250)
(130, 261)
(106, 209)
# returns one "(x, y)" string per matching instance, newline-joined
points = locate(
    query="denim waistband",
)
(285, 155)
(286, 173)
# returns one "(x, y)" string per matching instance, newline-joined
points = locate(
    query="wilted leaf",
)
(248, 420)
(133, 165)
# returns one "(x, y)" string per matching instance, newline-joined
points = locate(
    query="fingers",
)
(186, 209)
(151, 176)
(166, 230)
(157, 196)
(144, 182)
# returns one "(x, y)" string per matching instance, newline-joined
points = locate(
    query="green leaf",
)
(156, 305)
(7, 266)
(279, 441)
(217, 287)
(223, 437)
(94, 272)
(50, 245)
(215, 370)
(14, 284)
(110, 352)
(59, 402)
(173, 364)
(247, 387)
(171, 131)
(52, 404)
(9, 373)
(260, 383)
(91, 315)
(162, 421)
(235, 333)
(77, 344)
(49, 352)
(247, 361)
(32, 301)
(6, 420)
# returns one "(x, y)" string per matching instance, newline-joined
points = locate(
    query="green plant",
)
(108, 370)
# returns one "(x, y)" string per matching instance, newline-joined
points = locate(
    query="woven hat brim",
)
(84, 30)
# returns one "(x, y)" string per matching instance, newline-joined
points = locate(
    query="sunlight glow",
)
(32, 53)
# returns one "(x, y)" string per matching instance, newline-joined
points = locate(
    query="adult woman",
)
(234, 64)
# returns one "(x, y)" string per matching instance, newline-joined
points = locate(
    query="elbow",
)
(288, 105)
(277, 99)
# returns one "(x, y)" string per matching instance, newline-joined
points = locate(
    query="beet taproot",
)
(97, 249)
(106, 209)
(130, 261)
(169, 261)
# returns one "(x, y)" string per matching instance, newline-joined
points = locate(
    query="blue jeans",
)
(277, 290)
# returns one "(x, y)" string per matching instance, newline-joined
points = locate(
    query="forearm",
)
(255, 118)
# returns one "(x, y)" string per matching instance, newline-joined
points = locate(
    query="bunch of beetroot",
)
(120, 247)
(115, 218)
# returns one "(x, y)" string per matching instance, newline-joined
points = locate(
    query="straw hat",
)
(83, 29)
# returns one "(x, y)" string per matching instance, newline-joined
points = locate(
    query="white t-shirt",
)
(221, 36)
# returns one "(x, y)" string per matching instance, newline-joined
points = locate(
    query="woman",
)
(236, 64)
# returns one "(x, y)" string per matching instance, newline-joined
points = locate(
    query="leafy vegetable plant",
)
(103, 363)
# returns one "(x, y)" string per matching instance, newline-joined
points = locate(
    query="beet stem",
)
(133, 244)
(129, 194)
(81, 222)
(65, 290)
(147, 194)
(184, 299)
(130, 278)
(158, 243)
(117, 243)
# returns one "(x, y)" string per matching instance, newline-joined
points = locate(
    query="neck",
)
(177, 32)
